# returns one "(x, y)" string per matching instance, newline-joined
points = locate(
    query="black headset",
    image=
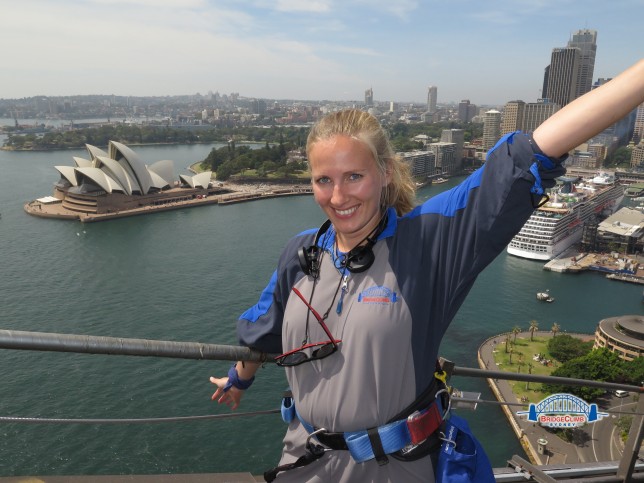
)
(357, 260)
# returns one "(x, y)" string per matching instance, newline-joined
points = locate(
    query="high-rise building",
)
(421, 163)
(491, 128)
(456, 136)
(512, 117)
(432, 97)
(466, 111)
(534, 113)
(638, 129)
(637, 156)
(368, 97)
(444, 157)
(563, 75)
(586, 41)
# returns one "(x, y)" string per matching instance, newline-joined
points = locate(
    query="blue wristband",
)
(235, 381)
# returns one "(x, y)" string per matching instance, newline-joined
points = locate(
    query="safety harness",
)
(409, 435)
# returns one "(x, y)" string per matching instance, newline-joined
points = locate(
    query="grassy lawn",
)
(523, 351)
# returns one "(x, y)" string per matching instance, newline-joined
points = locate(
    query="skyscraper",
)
(586, 41)
(563, 75)
(638, 130)
(491, 128)
(512, 117)
(432, 95)
(466, 111)
(368, 97)
(455, 136)
(534, 113)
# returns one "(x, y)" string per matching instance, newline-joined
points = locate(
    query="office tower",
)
(421, 163)
(638, 129)
(464, 111)
(368, 97)
(637, 156)
(432, 96)
(563, 75)
(544, 89)
(586, 41)
(534, 113)
(491, 128)
(444, 158)
(456, 136)
(512, 117)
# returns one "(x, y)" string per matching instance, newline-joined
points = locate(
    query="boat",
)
(440, 180)
(556, 225)
(545, 296)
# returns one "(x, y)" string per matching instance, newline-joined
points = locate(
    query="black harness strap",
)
(313, 453)
(376, 446)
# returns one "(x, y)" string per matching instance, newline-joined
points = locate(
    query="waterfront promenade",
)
(236, 194)
(557, 451)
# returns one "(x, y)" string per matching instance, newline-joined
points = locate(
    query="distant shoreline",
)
(42, 150)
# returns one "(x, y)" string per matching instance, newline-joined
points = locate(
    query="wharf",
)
(573, 261)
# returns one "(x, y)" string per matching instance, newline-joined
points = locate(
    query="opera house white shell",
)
(117, 180)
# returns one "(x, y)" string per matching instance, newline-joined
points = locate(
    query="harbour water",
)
(186, 275)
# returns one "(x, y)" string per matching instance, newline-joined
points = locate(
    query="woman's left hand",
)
(231, 397)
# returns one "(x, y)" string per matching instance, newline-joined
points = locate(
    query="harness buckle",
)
(316, 449)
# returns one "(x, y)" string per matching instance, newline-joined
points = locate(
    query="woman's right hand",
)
(231, 397)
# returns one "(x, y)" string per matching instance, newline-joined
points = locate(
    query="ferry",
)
(559, 223)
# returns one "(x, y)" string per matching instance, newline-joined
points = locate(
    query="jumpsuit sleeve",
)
(465, 228)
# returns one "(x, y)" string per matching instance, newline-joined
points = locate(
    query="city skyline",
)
(318, 50)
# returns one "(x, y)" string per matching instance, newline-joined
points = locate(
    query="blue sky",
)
(487, 51)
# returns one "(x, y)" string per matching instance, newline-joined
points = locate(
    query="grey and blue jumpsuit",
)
(394, 315)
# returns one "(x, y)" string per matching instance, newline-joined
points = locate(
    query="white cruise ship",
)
(558, 224)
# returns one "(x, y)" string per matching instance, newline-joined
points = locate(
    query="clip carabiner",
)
(446, 440)
(449, 402)
(441, 376)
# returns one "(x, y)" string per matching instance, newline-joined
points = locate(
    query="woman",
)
(359, 306)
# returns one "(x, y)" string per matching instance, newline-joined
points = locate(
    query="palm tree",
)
(527, 383)
(516, 330)
(534, 326)
(555, 328)
(507, 341)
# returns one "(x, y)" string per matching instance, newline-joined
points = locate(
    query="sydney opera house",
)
(118, 183)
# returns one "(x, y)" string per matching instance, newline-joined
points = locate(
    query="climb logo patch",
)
(563, 411)
(377, 295)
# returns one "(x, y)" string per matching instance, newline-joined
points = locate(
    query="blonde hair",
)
(401, 190)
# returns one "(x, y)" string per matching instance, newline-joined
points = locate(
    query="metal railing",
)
(524, 471)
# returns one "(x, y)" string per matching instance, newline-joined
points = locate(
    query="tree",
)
(621, 157)
(565, 347)
(635, 371)
(527, 383)
(555, 328)
(598, 365)
(516, 330)
(534, 326)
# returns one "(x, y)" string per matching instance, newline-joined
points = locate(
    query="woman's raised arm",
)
(591, 113)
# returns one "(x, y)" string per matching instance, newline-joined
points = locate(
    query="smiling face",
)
(347, 185)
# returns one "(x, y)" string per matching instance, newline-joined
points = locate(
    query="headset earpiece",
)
(309, 260)
(360, 258)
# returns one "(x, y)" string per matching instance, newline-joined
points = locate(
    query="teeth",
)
(345, 212)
